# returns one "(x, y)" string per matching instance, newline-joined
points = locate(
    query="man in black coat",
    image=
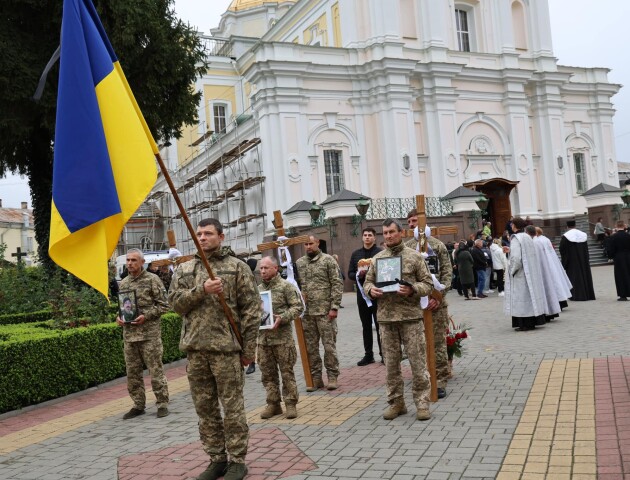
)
(367, 312)
(479, 266)
(575, 260)
(618, 248)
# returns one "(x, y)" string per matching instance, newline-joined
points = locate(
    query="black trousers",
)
(366, 313)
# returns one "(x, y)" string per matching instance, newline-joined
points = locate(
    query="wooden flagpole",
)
(299, 328)
(204, 260)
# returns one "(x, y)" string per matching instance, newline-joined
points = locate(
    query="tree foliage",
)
(160, 55)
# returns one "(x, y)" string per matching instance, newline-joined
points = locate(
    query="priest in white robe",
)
(550, 294)
(562, 283)
(524, 291)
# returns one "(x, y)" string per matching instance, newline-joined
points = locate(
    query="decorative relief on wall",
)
(354, 162)
(612, 168)
(452, 165)
(294, 170)
(481, 145)
(523, 164)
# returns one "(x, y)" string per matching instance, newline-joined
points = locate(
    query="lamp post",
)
(318, 219)
(482, 202)
(315, 212)
(362, 207)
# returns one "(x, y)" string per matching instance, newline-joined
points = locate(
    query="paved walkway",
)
(551, 403)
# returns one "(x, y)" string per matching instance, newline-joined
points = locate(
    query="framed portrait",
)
(388, 272)
(128, 305)
(266, 320)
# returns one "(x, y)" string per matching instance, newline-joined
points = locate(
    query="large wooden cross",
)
(299, 329)
(175, 261)
(428, 314)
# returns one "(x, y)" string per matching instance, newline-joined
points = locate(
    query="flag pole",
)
(193, 234)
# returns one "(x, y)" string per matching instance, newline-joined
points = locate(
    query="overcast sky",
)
(585, 34)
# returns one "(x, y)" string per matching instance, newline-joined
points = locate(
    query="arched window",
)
(579, 167)
(519, 25)
(145, 243)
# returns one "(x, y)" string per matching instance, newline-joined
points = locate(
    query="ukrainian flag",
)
(104, 161)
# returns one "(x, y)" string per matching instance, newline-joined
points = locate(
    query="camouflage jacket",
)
(320, 283)
(391, 306)
(444, 266)
(151, 299)
(204, 324)
(286, 302)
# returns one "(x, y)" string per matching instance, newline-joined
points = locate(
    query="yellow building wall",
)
(322, 31)
(12, 237)
(336, 25)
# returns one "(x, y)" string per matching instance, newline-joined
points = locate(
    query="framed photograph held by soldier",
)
(388, 272)
(128, 305)
(266, 321)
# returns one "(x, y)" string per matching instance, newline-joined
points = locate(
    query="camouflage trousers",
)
(217, 380)
(440, 324)
(411, 336)
(149, 353)
(272, 358)
(316, 327)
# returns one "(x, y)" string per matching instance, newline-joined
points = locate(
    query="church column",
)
(438, 97)
(547, 108)
(519, 161)
(601, 116)
(435, 31)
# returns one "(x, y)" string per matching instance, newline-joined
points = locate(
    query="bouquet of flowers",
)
(455, 334)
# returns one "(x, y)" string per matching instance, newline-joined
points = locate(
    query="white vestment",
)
(561, 280)
(550, 291)
(523, 290)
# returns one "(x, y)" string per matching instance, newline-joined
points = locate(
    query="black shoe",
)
(215, 470)
(441, 393)
(251, 368)
(134, 412)
(366, 360)
(235, 471)
(383, 360)
(622, 299)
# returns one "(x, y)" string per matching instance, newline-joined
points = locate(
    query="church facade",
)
(389, 100)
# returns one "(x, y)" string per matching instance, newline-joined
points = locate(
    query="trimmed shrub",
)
(14, 318)
(39, 363)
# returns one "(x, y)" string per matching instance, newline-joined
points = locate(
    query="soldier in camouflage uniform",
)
(322, 288)
(440, 265)
(215, 359)
(400, 320)
(276, 347)
(143, 336)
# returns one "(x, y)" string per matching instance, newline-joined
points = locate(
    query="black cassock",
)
(575, 261)
(618, 248)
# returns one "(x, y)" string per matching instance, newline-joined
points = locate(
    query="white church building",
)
(388, 99)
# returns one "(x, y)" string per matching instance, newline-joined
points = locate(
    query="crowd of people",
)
(221, 316)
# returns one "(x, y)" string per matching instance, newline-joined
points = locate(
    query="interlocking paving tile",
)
(271, 454)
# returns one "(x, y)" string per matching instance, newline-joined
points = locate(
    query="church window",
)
(580, 173)
(219, 112)
(333, 167)
(145, 243)
(463, 30)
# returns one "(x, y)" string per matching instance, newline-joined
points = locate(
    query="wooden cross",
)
(19, 254)
(428, 315)
(175, 261)
(299, 329)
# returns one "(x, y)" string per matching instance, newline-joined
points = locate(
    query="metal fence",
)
(217, 47)
(381, 208)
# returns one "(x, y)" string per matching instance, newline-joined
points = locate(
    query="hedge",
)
(14, 318)
(39, 363)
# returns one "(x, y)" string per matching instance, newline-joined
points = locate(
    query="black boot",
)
(366, 360)
(251, 368)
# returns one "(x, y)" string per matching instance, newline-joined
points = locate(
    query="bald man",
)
(322, 288)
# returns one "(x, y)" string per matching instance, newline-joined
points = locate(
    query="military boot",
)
(332, 384)
(423, 414)
(215, 470)
(317, 384)
(235, 471)
(291, 411)
(271, 410)
(394, 410)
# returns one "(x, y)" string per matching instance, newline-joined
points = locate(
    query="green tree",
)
(161, 57)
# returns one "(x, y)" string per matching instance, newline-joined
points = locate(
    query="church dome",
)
(240, 5)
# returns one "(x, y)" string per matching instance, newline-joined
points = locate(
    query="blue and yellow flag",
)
(104, 163)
